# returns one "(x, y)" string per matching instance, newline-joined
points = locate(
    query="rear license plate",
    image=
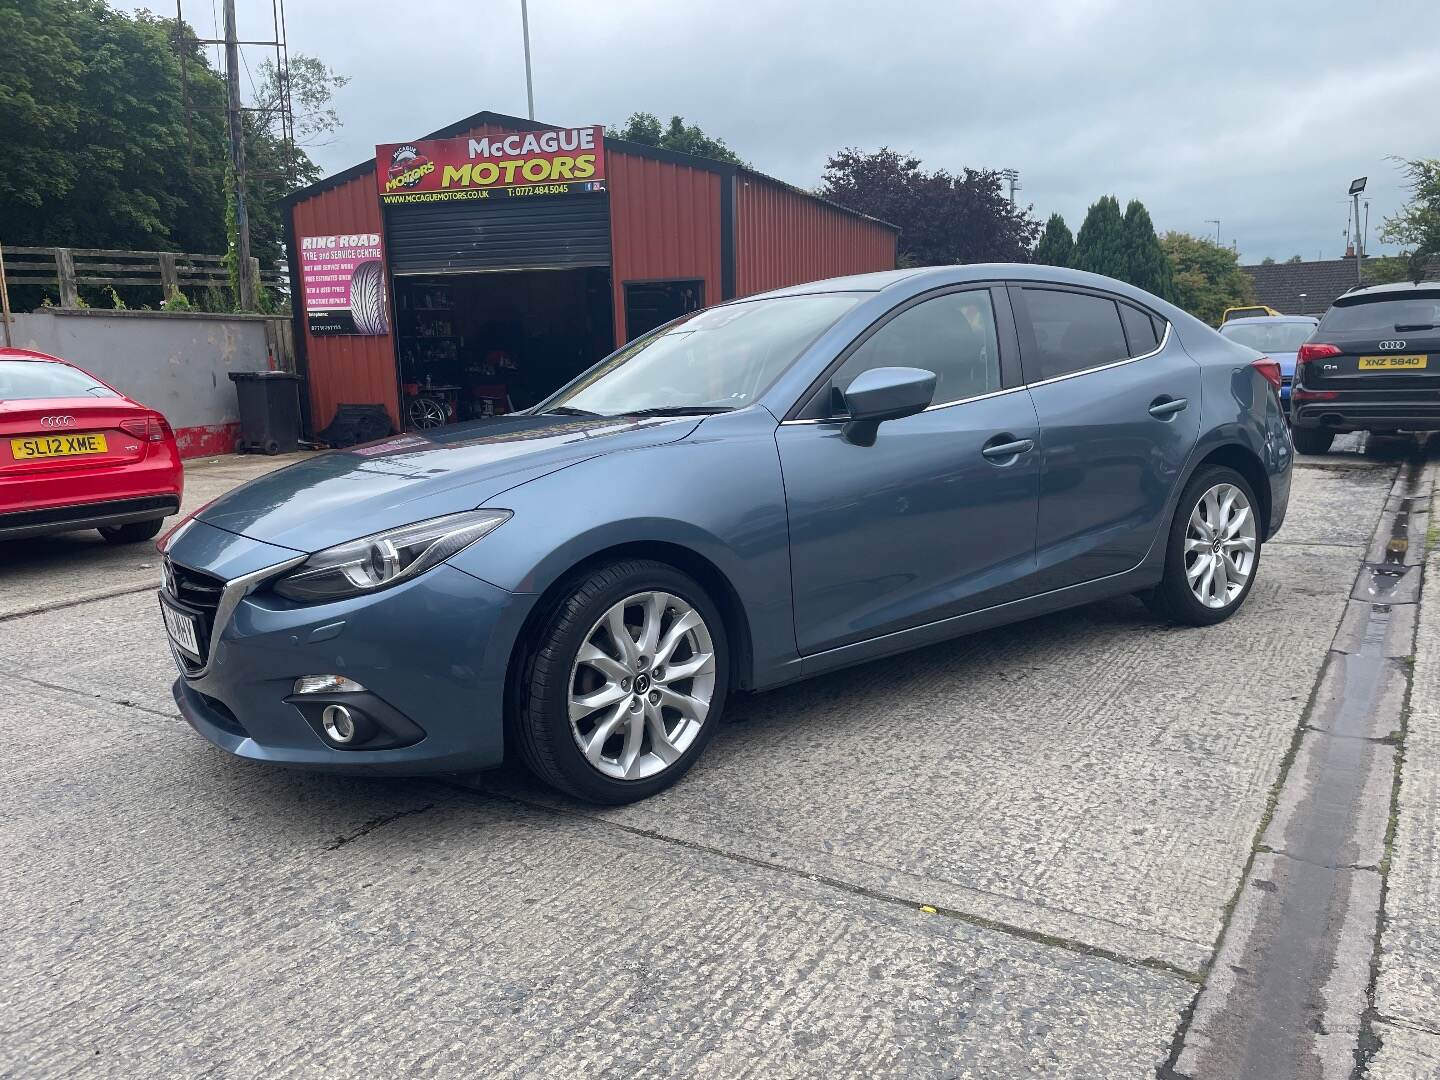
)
(52, 446)
(1410, 362)
(181, 628)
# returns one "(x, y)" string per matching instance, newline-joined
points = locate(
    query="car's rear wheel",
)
(625, 685)
(1312, 440)
(1213, 550)
(133, 533)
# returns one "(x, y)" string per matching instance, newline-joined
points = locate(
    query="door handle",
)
(1165, 408)
(1012, 448)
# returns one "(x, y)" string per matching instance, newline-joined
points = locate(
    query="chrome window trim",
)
(236, 589)
(1013, 389)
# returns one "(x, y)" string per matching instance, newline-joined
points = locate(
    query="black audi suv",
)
(1373, 364)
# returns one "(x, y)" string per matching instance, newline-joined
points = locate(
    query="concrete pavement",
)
(1076, 798)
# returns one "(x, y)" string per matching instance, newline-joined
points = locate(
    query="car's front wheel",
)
(133, 533)
(1213, 550)
(625, 683)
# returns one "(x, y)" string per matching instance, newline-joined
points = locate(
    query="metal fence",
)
(66, 269)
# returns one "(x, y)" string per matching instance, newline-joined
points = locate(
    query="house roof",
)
(1321, 282)
(624, 146)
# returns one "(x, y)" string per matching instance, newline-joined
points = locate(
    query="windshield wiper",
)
(568, 410)
(679, 410)
(1407, 327)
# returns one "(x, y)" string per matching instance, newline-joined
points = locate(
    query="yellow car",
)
(1251, 311)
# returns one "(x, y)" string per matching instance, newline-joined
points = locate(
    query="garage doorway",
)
(649, 304)
(483, 344)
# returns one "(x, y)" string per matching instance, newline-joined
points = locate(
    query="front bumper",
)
(434, 649)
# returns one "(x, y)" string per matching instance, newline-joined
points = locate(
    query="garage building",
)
(475, 270)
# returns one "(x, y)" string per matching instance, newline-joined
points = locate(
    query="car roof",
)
(1394, 288)
(31, 354)
(1270, 320)
(921, 277)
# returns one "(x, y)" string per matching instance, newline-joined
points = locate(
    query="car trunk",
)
(60, 435)
(1383, 345)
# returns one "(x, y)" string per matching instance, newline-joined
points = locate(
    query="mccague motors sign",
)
(554, 162)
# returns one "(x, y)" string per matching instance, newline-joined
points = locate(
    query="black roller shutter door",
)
(539, 232)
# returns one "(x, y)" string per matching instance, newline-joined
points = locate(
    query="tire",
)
(554, 673)
(133, 533)
(1312, 440)
(1174, 598)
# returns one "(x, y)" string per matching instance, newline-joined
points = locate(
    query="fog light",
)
(339, 725)
(327, 684)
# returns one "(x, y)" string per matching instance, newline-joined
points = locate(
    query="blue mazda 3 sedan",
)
(752, 494)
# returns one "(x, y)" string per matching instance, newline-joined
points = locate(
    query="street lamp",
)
(1216, 223)
(1356, 187)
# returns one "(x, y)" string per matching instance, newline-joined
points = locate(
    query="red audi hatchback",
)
(78, 454)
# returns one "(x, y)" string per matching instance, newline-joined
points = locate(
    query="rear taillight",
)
(1270, 369)
(1315, 351)
(150, 428)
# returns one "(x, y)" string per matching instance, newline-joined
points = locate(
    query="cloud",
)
(1258, 115)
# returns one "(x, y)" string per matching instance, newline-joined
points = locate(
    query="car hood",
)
(344, 494)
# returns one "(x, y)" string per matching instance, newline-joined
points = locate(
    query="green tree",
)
(1207, 277)
(1147, 266)
(644, 127)
(943, 217)
(1294, 259)
(1416, 226)
(1100, 243)
(98, 151)
(1056, 246)
(1268, 260)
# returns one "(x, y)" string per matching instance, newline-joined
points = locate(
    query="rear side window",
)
(952, 335)
(1140, 329)
(1073, 331)
(1384, 316)
(29, 380)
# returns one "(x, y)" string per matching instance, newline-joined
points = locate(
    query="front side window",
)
(1073, 331)
(952, 335)
(31, 380)
(715, 360)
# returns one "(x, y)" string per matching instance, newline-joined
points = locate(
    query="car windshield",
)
(1384, 315)
(1269, 337)
(715, 360)
(28, 380)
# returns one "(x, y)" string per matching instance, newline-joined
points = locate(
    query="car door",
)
(932, 520)
(1118, 403)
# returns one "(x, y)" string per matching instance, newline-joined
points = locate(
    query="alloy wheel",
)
(641, 685)
(1220, 545)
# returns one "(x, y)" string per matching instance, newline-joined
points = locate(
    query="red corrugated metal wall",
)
(784, 238)
(664, 223)
(345, 368)
(351, 369)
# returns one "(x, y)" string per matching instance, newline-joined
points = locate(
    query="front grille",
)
(199, 594)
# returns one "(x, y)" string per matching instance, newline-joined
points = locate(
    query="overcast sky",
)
(1258, 114)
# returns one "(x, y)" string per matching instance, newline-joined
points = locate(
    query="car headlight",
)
(386, 558)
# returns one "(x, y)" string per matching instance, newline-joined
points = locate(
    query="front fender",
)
(717, 493)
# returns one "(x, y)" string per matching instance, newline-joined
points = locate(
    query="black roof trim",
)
(624, 146)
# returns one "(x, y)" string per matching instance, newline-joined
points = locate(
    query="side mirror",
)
(882, 394)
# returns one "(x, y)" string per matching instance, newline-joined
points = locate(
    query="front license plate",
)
(51, 446)
(1411, 362)
(181, 628)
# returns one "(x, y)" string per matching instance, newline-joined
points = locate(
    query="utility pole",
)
(529, 82)
(1013, 177)
(235, 115)
(1216, 223)
(4, 300)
